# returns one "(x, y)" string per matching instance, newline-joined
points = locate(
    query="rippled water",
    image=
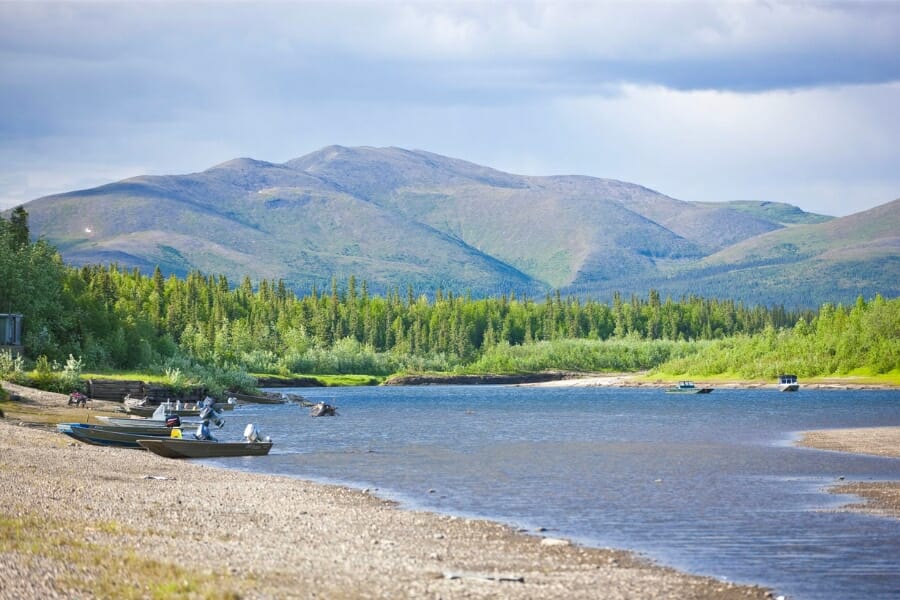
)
(709, 484)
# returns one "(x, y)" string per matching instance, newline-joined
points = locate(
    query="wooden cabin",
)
(11, 332)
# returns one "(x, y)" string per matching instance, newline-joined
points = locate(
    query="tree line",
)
(117, 318)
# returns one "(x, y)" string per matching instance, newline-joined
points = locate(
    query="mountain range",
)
(396, 217)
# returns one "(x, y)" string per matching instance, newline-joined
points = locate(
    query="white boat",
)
(788, 383)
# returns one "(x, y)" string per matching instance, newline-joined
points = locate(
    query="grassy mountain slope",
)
(775, 212)
(804, 265)
(395, 217)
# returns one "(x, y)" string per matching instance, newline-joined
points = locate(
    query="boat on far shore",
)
(688, 387)
(788, 383)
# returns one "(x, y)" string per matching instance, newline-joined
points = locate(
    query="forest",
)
(205, 327)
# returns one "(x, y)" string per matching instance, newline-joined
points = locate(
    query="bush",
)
(217, 380)
(11, 366)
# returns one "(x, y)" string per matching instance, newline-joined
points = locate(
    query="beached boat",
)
(171, 409)
(788, 383)
(141, 421)
(268, 398)
(252, 445)
(688, 387)
(188, 448)
(97, 435)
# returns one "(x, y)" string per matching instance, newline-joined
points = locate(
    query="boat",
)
(323, 409)
(188, 448)
(251, 445)
(140, 421)
(688, 387)
(97, 435)
(788, 383)
(172, 409)
(265, 398)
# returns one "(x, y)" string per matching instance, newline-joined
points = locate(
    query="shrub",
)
(11, 365)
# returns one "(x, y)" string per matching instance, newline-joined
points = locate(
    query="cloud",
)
(783, 145)
(602, 88)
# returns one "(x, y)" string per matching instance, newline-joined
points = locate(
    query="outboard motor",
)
(209, 414)
(173, 421)
(203, 433)
(251, 434)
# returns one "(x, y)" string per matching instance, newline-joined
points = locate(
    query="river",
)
(710, 484)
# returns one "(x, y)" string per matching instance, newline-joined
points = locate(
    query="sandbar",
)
(881, 497)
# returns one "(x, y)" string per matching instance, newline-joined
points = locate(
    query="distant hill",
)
(396, 217)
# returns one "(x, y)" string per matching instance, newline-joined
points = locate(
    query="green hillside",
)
(836, 260)
(775, 212)
(396, 217)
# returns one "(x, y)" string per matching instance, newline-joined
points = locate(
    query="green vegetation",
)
(347, 380)
(777, 212)
(863, 339)
(202, 330)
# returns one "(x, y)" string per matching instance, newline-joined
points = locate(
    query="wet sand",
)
(881, 497)
(93, 522)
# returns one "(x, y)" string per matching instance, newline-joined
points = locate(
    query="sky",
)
(795, 102)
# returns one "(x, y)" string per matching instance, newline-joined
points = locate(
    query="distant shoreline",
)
(572, 379)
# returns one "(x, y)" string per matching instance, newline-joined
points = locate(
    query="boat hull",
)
(141, 422)
(253, 399)
(688, 387)
(147, 411)
(175, 448)
(103, 436)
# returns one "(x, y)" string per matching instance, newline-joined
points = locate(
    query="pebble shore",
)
(881, 497)
(79, 521)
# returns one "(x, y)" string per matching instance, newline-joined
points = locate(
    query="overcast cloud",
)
(784, 101)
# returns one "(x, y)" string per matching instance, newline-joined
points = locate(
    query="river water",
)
(709, 484)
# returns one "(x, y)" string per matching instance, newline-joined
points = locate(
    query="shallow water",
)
(709, 484)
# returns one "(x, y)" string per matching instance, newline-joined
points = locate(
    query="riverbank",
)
(86, 521)
(881, 497)
(639, 379)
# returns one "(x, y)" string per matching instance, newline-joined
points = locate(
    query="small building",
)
(11, 332)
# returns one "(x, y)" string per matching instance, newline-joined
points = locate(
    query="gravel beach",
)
(881, 497)
(92, 522)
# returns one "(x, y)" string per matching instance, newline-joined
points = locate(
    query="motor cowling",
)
(251, 433)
